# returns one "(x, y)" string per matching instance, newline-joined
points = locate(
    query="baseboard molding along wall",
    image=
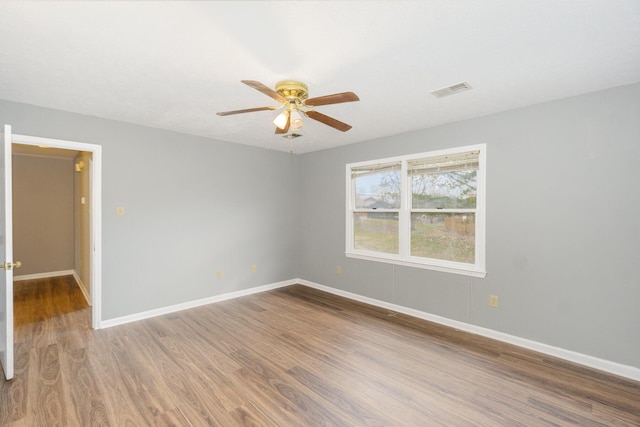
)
(43, 275)
(83, 288)
(192, 304)
(571, 356)
(629, 372)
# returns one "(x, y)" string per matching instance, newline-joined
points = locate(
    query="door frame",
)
(95, 212)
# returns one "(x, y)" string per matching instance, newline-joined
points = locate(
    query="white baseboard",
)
(43, 275)
(626, 371)
(192, 304)
(83, 287)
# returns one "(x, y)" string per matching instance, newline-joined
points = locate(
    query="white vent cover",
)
(451, 90)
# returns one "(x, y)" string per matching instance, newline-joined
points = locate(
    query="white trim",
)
(192, 304)
(403, 257)
(407, 263)
(82, 287)
(53, 143)
(96, 212)
(96, 238)
(43, 275)
(626, 371)
(7, 355)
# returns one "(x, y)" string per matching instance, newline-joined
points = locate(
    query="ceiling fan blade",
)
(247, 110)
(286, 127)
(329, 121)
(336, 98)
(265, 89)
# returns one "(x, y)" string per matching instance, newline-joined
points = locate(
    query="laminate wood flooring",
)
(294, 356)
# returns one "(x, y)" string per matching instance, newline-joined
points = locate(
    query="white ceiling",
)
(173, 65)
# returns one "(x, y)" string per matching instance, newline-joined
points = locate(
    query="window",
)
(425, 210)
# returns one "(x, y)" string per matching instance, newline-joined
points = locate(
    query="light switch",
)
(120, 211)
(83, 200)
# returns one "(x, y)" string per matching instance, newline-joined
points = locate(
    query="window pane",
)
(376, 231)
(377, 187)
(445, 182)
(445, 236)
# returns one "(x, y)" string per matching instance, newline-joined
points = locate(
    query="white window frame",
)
(477, 269)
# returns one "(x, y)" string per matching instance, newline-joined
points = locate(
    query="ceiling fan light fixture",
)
(281, 120)
(296, 119)
(294, 100)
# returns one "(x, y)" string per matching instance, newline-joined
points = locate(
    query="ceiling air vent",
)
(451, 90)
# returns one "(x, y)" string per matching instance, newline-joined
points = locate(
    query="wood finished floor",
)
(289, 357)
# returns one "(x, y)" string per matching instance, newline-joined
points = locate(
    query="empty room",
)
(320, 213)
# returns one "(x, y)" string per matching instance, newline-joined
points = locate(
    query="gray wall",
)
(193, 206)
(562, 220)
(42, 214)
(563, 225)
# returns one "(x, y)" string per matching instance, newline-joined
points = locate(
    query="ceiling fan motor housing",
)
(292, 90)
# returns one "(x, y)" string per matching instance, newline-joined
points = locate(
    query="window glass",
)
(445, 182)
(376, 231)
(444, 236)
(377, 187)
(424, 210)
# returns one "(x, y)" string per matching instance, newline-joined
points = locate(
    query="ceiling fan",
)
(295, 103)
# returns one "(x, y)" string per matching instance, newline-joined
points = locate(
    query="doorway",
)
(87, 157)
(51, 214)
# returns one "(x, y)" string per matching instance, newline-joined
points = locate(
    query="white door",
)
(6, 256)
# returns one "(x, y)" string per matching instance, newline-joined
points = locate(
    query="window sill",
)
(407, 263)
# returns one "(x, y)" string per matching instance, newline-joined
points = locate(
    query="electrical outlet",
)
(219, 275)
(493, 301)
(254, 268)
(338, 270)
